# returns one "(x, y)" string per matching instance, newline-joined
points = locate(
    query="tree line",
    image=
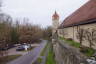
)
(12, 32)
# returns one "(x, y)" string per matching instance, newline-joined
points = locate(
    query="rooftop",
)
(82, 15)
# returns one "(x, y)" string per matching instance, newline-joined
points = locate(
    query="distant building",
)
(55, 22)
(84, 18)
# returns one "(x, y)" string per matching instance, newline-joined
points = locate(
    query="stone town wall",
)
(65, 54)
(71, 32)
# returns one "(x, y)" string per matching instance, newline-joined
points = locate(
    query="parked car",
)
(17, 45)
(23, 47)
(6, 47)
(20, 48)
(3, 49)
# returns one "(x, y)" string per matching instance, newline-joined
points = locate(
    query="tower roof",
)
(55, 15)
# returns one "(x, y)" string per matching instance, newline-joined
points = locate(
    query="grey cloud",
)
(40, 11)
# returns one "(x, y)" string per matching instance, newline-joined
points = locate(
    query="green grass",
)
(5, 59)
(43, 52)
(39, 60)
(61, 38)
(50, 57)
(71, 42)
(88, 51)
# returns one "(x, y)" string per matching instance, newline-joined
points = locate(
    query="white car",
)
(26, 47)
(23, 47)
(90, 61)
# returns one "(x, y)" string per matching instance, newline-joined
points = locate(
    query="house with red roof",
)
(81, 23)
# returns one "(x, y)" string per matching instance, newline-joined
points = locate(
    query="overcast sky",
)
(40, 11)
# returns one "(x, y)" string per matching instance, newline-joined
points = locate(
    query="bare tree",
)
(80, 35)
(90, 36)
(47, 33)
(29, 33)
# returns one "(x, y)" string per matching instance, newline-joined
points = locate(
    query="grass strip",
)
(50, 58)
(39, 60)
(43, 52)
(71, 42)
(87, 51)
(5, 59)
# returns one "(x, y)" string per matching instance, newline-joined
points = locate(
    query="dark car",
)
(3, 49)
(6, 47)
(20, 48)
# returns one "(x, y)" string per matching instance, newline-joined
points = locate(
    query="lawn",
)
(5, 59)
(86, 50)
(39, 60)
(71, 42)
(50, 57)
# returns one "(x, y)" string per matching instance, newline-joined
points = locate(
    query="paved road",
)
(13, 51)
(31, 56)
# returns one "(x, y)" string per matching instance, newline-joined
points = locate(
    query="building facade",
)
(55, 23)
(81, 25)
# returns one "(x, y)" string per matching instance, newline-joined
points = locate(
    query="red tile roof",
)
(84, 13)
(55, 15)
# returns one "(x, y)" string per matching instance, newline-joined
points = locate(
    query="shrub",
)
(69, 39)
(83, 49)
(87, 51)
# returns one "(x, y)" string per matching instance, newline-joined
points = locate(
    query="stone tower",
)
(55, 22)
